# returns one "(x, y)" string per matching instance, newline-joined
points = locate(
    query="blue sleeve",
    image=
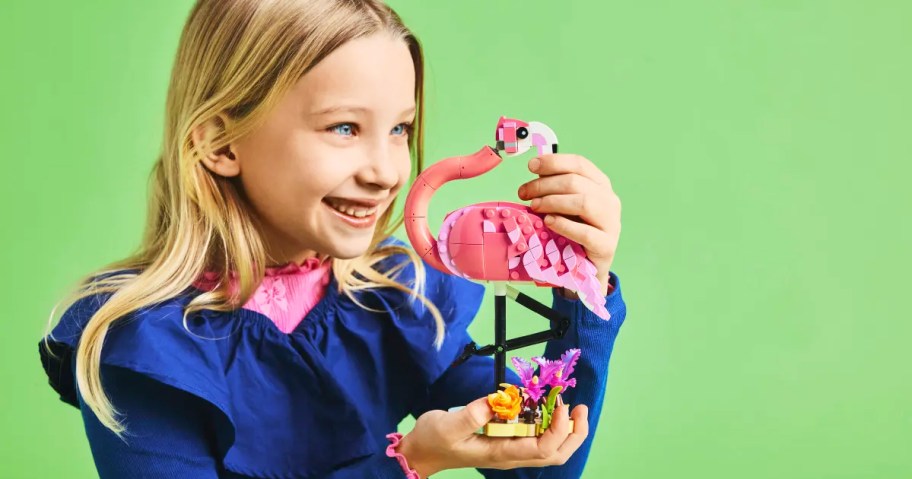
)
(376, 466)
(167, 435)
(593, 335)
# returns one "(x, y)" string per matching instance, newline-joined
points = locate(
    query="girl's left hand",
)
(579, 203)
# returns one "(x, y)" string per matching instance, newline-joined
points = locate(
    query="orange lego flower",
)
(506, 404)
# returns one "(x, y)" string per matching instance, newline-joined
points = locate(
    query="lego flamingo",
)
(499, 241)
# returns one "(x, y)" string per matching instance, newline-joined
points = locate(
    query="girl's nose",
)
(380, 171)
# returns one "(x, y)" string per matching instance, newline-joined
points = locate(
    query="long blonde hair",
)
(236, 58)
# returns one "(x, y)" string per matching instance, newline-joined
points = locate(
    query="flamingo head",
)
(515, 137)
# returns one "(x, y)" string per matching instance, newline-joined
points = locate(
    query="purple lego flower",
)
(557, 372)
(533, 388)
(547, 369)
(569, 359)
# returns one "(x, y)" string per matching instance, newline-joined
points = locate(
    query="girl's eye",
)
(344, 129)
(403, 129)
(348, 129)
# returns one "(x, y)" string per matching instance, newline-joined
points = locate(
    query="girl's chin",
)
(350, 248)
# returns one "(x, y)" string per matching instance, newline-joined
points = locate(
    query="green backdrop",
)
(761, 150)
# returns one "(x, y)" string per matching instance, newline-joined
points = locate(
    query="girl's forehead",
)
(370, 72)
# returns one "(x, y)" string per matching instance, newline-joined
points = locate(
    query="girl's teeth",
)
(357, 212)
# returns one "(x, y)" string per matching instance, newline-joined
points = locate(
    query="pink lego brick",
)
(496, 264)
(481, 162)
(436, 177)
(552, 252)
(569, 257)
(513, 262)
(512, 230)
(535, 247)
(421, 243)
(468, 227)
(469, 259)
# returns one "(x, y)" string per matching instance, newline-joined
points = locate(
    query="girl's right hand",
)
(447, 440)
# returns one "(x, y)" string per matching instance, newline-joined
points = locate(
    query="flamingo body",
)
(499, 241)
(502, 241)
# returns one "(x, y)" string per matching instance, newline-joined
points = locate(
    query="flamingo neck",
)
(427, 183)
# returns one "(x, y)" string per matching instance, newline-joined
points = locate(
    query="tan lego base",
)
(496, 429)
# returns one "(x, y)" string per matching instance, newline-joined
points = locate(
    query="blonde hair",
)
(236, 58)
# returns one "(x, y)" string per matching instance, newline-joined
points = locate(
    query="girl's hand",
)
(447, 440)
(579, 203)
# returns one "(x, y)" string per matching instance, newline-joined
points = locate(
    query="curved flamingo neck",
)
(426, 184)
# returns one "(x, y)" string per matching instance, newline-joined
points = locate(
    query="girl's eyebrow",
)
(341, 108)
(353, 109)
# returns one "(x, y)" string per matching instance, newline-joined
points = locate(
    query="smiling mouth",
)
(355, 210)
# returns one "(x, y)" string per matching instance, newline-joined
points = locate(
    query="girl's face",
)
(333, 154)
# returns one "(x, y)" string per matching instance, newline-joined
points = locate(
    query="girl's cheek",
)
(406, 169)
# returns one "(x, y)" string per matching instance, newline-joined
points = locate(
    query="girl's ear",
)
(222, 162)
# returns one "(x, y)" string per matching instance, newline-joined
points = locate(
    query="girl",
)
(269, 325)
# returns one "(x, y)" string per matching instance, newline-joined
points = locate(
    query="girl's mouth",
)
(354, 214)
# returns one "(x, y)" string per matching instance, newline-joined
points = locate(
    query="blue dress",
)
(239, 398)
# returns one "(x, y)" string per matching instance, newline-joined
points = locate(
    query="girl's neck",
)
(309, 257)
(293, 267)
(282, 250)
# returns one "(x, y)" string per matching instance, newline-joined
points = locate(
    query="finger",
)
(546, 451)
(519, 452)
(557, 184)
(575, 204)
(559, 163)
(580, 417)
(595, 241)
(556, 434)
(472, 417)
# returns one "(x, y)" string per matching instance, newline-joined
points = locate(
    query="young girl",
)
(270, 325)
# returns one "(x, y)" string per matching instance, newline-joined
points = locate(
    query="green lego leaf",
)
(552, 398)
(545, 417)
(548, 406)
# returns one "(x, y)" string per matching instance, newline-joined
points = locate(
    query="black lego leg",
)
(559, 325)
(500, 340)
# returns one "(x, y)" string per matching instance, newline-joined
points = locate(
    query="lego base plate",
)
(498, 429)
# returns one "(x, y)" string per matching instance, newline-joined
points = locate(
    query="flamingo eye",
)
(522, 133)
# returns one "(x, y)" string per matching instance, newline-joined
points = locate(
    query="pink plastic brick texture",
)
(499, 241)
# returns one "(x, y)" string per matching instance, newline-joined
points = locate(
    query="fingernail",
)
(534, 164)
(522, 191)
(535, 203)
(549, 219)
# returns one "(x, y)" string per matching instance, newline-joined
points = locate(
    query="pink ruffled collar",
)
(286, 294)
(208, 280)
(292, 268)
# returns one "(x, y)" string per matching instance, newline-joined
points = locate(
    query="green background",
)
(761, 150)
